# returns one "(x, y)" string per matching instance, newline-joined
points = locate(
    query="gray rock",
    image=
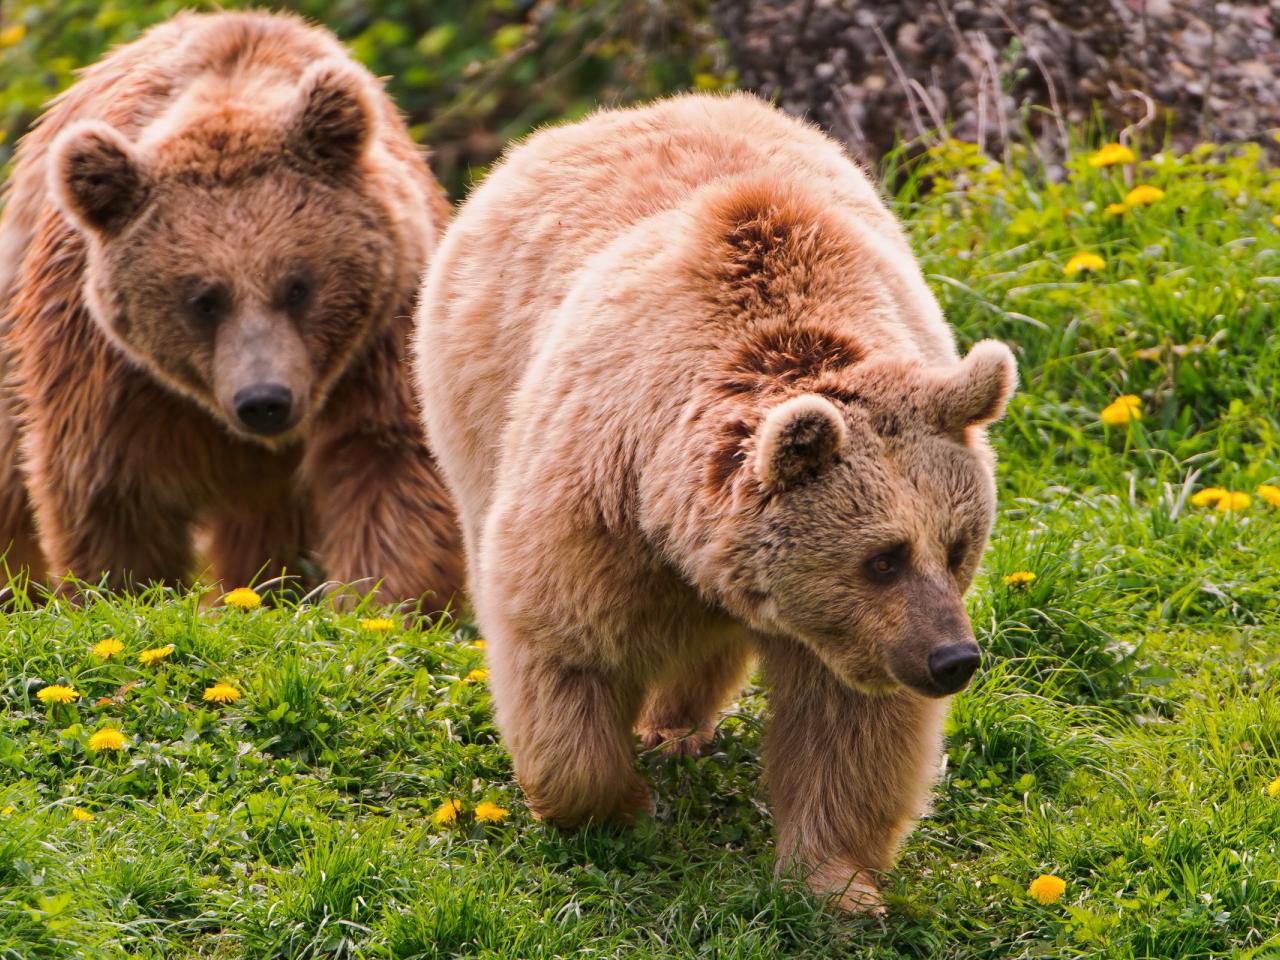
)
(996, 67)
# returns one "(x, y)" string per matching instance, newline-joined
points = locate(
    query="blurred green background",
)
(470, 74)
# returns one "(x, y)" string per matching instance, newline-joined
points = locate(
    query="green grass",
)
(1121, 735)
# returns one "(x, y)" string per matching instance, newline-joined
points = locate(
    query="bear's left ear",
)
(976, 393)
(798, 438)
(333, 118)
(97, 177)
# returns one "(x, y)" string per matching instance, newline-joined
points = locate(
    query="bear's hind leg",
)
(681, 710)
(569, 732)
(847, 773)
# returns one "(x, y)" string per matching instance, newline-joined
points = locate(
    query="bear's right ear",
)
(798, 437)
(333, 119)
(97, 177)
(978, 390)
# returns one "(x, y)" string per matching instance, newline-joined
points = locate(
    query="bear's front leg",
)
(382, 512)
(19, 548)
(383, 515)
(847, 773)
(91, 528)
(568, 729)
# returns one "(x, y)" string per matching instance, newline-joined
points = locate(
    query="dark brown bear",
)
(208, 261)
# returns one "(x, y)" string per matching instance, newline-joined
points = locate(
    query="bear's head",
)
(865, 514)
(237, 251)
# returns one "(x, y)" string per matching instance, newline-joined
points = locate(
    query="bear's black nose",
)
(950, 667)
(264, 407)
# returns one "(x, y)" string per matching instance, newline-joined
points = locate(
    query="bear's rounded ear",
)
(798, 438)
(333, 117)
(97, 177)
(976, 393)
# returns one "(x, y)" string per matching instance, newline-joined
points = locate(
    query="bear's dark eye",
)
(207, 303)
(955, 556)
(296, 294)
(885, 566)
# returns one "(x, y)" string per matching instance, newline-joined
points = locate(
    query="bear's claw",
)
(847, 888)
(675, 742)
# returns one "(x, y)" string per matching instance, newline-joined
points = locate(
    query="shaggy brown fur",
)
(228, 205)
(695, 400)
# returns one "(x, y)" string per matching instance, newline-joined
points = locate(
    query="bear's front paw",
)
(675, 742)
(620, 807)
(847, 888)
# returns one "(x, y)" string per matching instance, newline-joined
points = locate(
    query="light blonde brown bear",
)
(696, 402)
(208, 260)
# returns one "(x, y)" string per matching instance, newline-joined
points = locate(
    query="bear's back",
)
(569, 193)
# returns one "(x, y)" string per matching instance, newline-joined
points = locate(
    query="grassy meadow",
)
(348, 797)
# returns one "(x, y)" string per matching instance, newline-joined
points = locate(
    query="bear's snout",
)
(265, 408)
(952, 666)
(938, 654)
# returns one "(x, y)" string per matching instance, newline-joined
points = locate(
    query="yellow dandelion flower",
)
(480, 645)
(1270, 494)
(1020, 578)
(107, 648)
(1273, 788)
(1047, 888)
(1208, 497)
(1084, 262)
(243, 598)
(7, 810)
(1234, 500)
(1115, 209)
(478, 675)
(154, 655)
(108, 738)
(377, 624)
(1121, 410)
(1112, 154)
(12, 36)
(1142, 195)
(487, 812)
(57, 693)
(447, 813)
(222, 693)
(81, 814)
(1275, 221)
